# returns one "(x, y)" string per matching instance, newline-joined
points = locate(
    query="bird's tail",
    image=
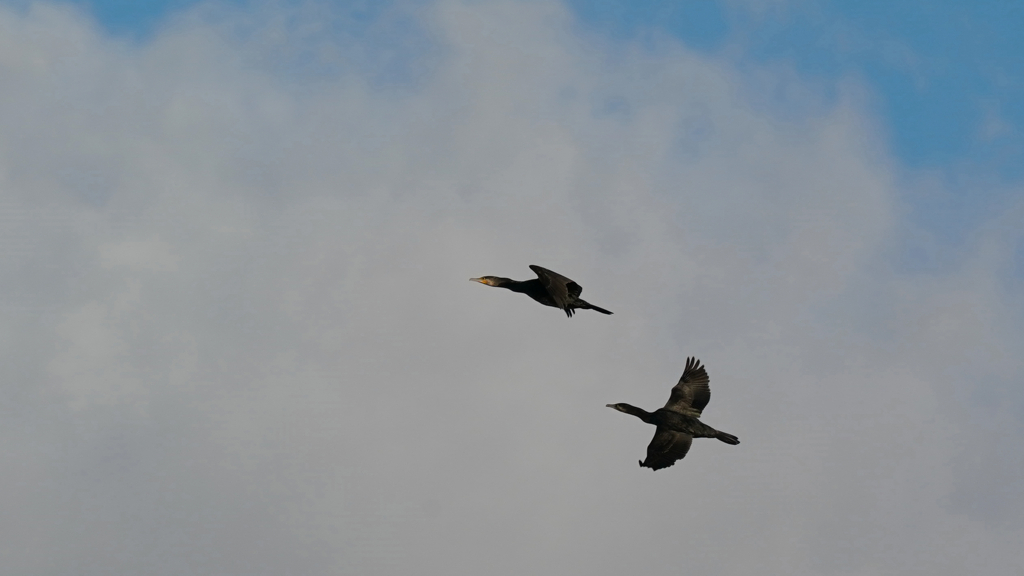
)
(588, 306)
(728, 438)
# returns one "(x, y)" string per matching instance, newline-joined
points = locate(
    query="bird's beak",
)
(610, 405)
(480, 280)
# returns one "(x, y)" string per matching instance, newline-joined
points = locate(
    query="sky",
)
(238, 335)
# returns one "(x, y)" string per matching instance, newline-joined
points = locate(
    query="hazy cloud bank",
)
(238, 336)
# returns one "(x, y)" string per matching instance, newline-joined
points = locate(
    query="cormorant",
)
(678, 422)
(549, 288)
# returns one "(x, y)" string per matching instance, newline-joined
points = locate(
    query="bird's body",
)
(549, 288)
(678, 422)
(684, 423)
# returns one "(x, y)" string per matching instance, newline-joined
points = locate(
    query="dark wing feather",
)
(665, 448)
(561, 289)
(692, 392)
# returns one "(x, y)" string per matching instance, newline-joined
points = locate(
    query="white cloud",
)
(239, 336)
(151, 254)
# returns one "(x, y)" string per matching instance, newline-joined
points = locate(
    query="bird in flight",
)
(549, 288)
(678, 422)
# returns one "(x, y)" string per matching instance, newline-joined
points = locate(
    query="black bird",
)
(549, 288)
(678, 422)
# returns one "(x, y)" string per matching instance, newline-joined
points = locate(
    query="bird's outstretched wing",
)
(561, 289)
(692, 392)
(665, 448)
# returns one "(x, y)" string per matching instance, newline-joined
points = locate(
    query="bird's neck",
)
(639, 413)
(513, 285)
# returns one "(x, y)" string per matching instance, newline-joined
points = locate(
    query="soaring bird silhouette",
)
(678, 422)
(549, 288)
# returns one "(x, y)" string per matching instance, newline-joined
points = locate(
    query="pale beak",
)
(480, 280)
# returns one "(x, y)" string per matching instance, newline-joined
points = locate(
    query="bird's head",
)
(633, 411)
(490, 280)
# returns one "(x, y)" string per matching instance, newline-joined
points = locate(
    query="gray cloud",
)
(239, 338)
